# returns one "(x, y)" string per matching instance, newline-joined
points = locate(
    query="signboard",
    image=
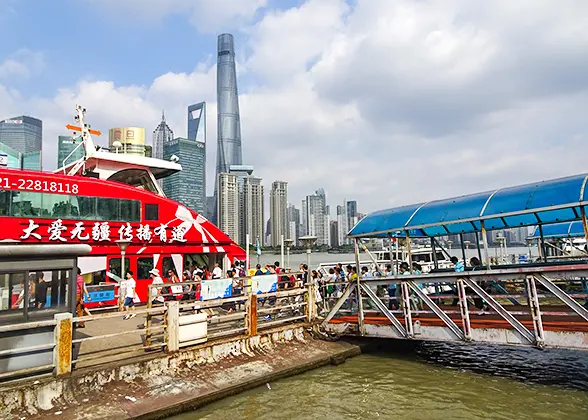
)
(104, 293)
(3, 159)
(216, 289)
(264, 284)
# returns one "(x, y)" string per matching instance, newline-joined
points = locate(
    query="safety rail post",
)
(251, 317)
(62, 352)
(310, 302)
(173, 326)
(148, 319)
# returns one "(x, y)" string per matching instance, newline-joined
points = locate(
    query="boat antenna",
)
(85, 136)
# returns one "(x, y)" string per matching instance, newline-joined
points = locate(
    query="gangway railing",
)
(184, 322)
(553, 314)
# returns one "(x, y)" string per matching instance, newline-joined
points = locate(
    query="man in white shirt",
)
(217, 273)
(130, 295)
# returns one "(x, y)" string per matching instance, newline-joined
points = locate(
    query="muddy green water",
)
(424, 382)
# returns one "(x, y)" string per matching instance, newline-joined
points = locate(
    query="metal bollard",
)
(173, 326)
(62, 352)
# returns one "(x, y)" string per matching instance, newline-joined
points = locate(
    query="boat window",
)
(151, 211)
(61, 206)
(138, 178)
(144, 266)
(114, 267)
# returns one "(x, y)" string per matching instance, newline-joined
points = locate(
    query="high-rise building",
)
(293, 215)
(351, 215)
(65, 147)
(228, 205)
(210, 207)
(334, 227)
(252, 199)
(342, 226)
(278, 213)
(23, 135)
(197, 133)
(228, 123)
(161, 135)
(131, 139)
(186, 186)
(317, 220)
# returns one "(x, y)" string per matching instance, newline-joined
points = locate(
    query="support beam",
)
(463, 306)
(567, 299)
(542, 243)
(382, 308)
(434, 250)
(515, 323)
(350, 288)
(535, 310)
(406, 309)
(62, 352)
(438, 311)
(251, 315)
(485, 243)
(358, 290)
(173, 326)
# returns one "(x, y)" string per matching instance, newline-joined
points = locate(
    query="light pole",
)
(122, 244)
(501, 240)
(308, 241)
(288, 243)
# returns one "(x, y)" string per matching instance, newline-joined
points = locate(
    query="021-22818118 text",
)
(24, 184)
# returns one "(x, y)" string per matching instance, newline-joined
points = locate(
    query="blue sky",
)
(458, 96)
(81, 40)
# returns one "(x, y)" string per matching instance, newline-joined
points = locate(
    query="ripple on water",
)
(428, 382)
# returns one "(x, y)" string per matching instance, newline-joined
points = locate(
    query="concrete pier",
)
(157, 386)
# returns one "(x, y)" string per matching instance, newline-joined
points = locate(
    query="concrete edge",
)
(201, 401)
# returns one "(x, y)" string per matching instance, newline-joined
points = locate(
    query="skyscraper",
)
(278, 213)
(293, 215)
(161, 135)
(228, 205)
(351, 214)
(24, 135)
(65, 146)
(316, 217)
(186, 186)
(229, 125)
(342, 224)
(253, 210)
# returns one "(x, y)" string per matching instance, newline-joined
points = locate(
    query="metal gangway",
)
(543, 303)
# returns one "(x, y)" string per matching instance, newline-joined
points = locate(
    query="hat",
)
(155, 271)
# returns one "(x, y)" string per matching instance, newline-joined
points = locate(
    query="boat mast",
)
(86, 137)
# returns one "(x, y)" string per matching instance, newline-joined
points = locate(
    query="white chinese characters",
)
(101, 232)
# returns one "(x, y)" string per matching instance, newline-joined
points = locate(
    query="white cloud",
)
(206, 15)
(388, 102)
(21, 65)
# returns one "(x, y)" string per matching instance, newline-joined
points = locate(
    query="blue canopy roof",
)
(560, 230)
(544, 202)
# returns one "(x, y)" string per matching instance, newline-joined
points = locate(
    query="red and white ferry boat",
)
(107, 199)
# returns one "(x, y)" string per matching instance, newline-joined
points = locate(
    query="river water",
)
(324, 257)
(424, 381)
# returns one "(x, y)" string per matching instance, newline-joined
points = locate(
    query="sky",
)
(388, 102)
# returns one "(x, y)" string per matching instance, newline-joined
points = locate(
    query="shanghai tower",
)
(229, 124)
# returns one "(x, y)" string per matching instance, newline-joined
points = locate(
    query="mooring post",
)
(251, 318)
(62, 352)
(173, 326)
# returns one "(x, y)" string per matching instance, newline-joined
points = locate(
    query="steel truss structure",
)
(538, 325)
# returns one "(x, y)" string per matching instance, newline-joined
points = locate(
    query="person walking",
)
(130, 295)
(81, 291)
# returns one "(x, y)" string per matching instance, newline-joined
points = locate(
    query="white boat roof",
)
(159, 168)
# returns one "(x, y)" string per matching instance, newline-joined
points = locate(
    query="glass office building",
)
(65, 146)
(186, 186)
(24, 135)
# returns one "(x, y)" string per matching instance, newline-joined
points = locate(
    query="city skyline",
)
(472, 88)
